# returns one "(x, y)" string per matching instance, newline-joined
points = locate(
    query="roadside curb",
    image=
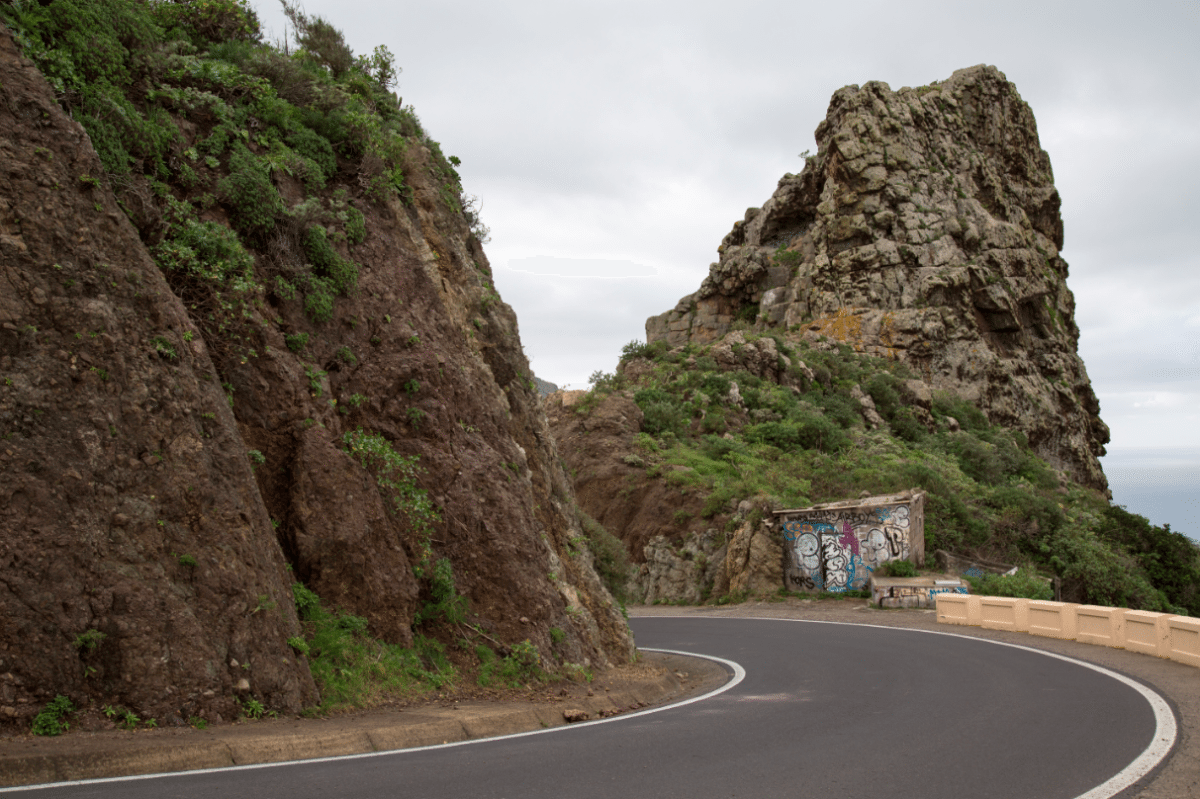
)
(242, 745)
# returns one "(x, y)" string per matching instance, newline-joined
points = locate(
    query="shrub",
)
(209, 21)
(1024, 584)
(716, 385)
(967, 415)
(609, 556)
(907, 428)
(447, 603)
(898, 568)
(320, 40)
(882, 390)
(1169, 559)
(351, 668)
(808, 431)
(206, 251)
(663, 416)
(89, 640)
(340, 274)
(841, 408)
(314, 146)
(396, 476)
(296, 342)
(318, 299)
(714, 421)
(51, 720)
(249, 192)
(356, 225)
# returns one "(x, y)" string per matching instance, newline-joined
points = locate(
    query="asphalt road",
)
(824, 710)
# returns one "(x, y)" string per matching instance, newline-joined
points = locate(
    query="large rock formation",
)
(162, 473)
(927, 229)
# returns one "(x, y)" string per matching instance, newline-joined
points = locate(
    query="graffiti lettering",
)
(836, 550)
(958, 589)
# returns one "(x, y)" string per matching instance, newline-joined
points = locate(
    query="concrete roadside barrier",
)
(1052, 619)
(1148, 632)
(1100, 625)
(958, 609)
(1004, 613)
(1184, 642)
(1160, 634)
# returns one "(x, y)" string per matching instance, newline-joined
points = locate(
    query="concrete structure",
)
(958, 609)
(1170, 637)
(1004, 613)
(836, 546)
(1184, 641)
(912, 592)
(1052, 619)
(1148, 633)
(1100, 625)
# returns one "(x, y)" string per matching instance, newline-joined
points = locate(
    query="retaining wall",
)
(1160, 634)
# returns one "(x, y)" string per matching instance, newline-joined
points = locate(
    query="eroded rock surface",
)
(137, 558)
(161, 473)
(927, 229)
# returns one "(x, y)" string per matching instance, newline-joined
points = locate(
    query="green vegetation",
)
(988, 493)
(296, 342)
(353, 669)
(396, 476)
(125, 718)
(609, 556)
(89, 640)
(447, 604)
(52, 719)
(1024, 584)
(897, 568)
(252, 708)
(521, 666)
(196, 119)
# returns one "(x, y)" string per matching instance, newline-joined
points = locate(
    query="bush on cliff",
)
(806, 441)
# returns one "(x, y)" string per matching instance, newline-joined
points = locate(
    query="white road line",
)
(739, 674)
(1165, 733)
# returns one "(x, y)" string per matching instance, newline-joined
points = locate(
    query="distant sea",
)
(1160, 483)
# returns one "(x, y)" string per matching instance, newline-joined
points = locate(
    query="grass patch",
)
(353, 669)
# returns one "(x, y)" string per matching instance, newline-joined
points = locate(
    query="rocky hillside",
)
(925, 229)
(895, 317)
(250, 345)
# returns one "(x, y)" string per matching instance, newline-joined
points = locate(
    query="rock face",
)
(927, 229)
(137, 556)
(679, 556)
(160, 476)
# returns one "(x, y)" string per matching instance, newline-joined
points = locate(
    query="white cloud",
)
(580, 267)
(638, 132)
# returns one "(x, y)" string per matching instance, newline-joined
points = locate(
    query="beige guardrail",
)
(1161, 634)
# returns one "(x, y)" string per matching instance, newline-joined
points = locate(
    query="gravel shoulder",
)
(654, 680)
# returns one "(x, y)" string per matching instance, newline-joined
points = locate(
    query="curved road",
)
(824, 710)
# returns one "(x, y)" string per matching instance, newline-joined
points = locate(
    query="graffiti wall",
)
(835, 547)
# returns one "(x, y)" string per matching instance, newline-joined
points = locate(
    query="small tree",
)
(320, 39)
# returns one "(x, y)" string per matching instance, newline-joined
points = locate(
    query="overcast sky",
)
(613, 145)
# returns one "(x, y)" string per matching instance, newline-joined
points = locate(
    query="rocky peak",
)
(925, 229)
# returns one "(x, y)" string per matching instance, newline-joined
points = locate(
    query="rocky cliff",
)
(228, 375)
(925, 229)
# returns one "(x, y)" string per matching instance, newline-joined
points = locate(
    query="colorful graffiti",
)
(837, 549)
